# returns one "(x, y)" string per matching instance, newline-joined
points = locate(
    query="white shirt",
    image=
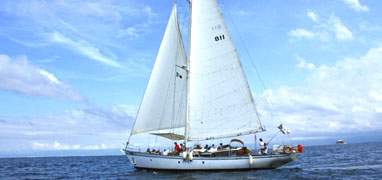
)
(262, 145)
(213, 149)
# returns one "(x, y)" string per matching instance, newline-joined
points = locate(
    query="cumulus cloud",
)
(135, 31)
(341, 31)
(88, 128)
(344, 97)
(239, 12)
(301, 33)
(356, 5)
(140, 29)
(55, 145)
(18, 75)
(331, 28)
(312, 15)
(305, 65)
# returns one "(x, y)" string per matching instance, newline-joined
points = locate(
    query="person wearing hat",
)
(263, 147)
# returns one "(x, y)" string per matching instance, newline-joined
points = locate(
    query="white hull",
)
(147, 161)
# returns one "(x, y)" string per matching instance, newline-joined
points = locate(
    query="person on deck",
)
(177, 148)
(153, 151)
(198, 146)
(213, 149)
(165, 152)
(182, 147)
(206, 147)
(263, 147)
(220, 147)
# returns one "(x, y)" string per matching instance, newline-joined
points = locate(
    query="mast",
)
(186, 130)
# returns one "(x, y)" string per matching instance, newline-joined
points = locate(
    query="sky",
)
(72, 73)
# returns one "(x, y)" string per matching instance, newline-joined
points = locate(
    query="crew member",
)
(263, 147)
(177, 148)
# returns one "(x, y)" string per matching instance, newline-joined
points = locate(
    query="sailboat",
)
(201, 97)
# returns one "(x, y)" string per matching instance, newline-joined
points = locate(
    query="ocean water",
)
(350, 161)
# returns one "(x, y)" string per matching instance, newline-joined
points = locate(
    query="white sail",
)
(220, 101)
(164, 103)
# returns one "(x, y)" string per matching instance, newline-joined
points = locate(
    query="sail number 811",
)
(219, 38)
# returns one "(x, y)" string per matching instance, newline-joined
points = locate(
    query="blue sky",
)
(72, 73)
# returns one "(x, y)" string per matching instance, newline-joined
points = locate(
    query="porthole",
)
(202, 162)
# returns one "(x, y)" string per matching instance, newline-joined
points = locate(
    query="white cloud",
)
(83, 128)
(134, 32)
(147, 11)
(141, 29)
(368, 27)
(299, 138)
(55, 145)
(83, 48)
(341, 31)
(98, 30)
(125, 109)
(239, 12)
(301, 33)
(305, 65)
(344, 97)
(324, 31)
(356, 5)
(18, 75)
(376, 95)
(312, 15)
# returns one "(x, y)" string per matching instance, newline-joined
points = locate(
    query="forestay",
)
(164, 103)
(220, 101)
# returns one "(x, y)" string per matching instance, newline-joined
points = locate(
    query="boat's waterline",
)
(148, 161)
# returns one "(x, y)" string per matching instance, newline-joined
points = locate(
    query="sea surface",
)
(349, 161)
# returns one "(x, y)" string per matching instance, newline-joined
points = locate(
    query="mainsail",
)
(220, 101)
(164, 103)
